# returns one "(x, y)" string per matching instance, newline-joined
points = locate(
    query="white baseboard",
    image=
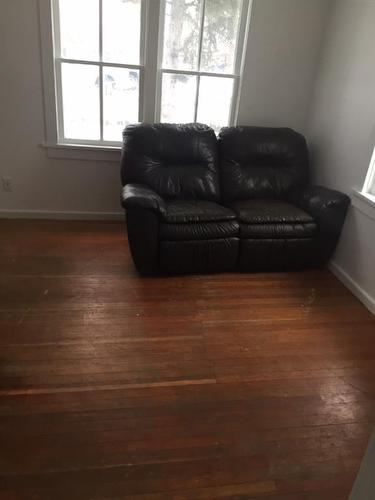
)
(353, 286)
(62, 215)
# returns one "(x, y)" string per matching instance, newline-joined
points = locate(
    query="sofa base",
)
(278, 254)
(206, 256)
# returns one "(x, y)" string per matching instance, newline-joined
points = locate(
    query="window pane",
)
(120, 100)
(178, 98)
(79, 29)
(121, 31)
(80, 92)
(215, 96)
(181, 34)
(221, 22)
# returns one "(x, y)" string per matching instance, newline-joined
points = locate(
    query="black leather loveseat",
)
(195, 203)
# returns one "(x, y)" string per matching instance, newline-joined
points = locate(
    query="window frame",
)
(150, 67)
(100, 64)
(364, 199)
(240, 45)
(369, 184)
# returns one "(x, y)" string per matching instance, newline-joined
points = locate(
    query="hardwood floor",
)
(229, 386)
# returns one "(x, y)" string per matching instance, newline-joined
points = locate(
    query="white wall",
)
(39, 183)
(283, 46)
(341, 132)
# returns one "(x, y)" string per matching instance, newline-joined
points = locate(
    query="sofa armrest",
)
(141, 196)
(328, 208)
(321, 203)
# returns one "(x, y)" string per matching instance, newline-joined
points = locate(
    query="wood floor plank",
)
(228, 386)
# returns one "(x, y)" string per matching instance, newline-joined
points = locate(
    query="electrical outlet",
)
(7, 184)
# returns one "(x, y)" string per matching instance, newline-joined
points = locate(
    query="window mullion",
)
(153, 26)
(197, 98)
(241, 35)
(97, 62)
(201, 28)
(142, 61)
(56, 29)
(241, 44)
(196, 73)
(57, 53)
(59, 102)
(101, 67)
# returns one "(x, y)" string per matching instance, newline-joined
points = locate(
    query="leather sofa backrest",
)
(261, 162)
(176, 161)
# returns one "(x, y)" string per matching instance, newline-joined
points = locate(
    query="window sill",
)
(364, 202)
(83, 152)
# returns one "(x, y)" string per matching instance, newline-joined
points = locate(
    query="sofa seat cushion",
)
(199, 231)
(269, 212)
(273, 219)
(278, 231)
(188, 211)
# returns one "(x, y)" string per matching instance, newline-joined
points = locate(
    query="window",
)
(369, 186)
(98, 64)
(200, 64)
(114, 62)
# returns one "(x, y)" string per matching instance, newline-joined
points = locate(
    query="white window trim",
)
(369, 185)
(364, 199)
(150, 79)
(364, 202)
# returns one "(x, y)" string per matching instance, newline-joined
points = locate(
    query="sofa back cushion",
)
(176, 161)
(261, 162)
